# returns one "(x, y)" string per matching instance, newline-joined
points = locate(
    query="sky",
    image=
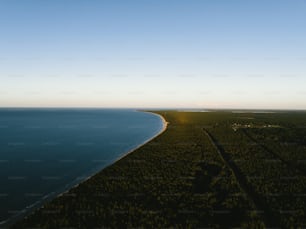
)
(154, 54)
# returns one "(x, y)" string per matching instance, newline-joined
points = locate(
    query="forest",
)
(217, 169)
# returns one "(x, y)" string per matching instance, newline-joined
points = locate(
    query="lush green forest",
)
(207, 170)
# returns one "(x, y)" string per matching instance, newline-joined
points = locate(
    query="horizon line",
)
(160, 108)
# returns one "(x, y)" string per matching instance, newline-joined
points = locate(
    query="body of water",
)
(46, 151)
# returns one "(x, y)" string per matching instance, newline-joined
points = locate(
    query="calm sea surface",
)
(45, 151)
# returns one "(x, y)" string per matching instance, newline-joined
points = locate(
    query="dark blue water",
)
(47, 150)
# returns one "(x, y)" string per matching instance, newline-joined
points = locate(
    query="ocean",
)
(44, 152)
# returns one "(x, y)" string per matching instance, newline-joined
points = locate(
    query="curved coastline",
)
(75, 183)
(165, 124)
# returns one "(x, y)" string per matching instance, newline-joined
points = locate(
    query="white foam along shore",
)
(165, 124)
(39, 203)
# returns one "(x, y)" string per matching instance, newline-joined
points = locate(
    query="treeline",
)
(176, 180)
(180, 180)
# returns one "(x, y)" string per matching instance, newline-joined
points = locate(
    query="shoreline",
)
(75, 183)
(165, 125)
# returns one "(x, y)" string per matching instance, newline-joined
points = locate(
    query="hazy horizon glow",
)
(201, 54)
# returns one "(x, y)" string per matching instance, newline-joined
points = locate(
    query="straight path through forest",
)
(259, 204)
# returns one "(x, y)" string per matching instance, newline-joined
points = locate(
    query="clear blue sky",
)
(161, 53)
